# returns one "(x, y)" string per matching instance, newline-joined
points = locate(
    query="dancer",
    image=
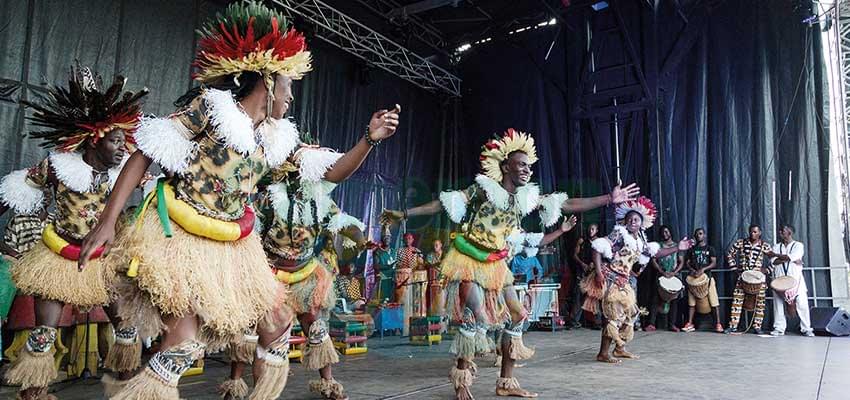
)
(747, 255)
(613, 257)
(300, 220)
(701, 259)
(787, 257)
(583, 257)
(88, 130)
(668, 267)
(201, 276)
(480, 285)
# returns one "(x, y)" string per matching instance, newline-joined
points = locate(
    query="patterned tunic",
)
(77, 208)
(218, 180)
(23, 232)
(746, 254)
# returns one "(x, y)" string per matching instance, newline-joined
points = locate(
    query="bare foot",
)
(517, 392)
(622, 353)
(463, 393)
(607, 359)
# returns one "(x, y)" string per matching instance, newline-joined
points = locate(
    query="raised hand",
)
(389, 217)
(620, 195)
(384, 123)
(685, 244)
(569, 223)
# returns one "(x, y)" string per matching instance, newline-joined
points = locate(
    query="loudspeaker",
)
(831, 320)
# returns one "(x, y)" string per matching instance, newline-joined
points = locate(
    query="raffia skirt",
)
(42, 273)
(228, 285)
(489, 279)
(315, 294)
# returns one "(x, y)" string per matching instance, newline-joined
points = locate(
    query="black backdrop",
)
(723, 134)
(722, 120)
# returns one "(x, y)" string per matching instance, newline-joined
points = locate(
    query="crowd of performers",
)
(751, 259)
(233, 242)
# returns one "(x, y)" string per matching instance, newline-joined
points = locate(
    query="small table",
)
(388, 316)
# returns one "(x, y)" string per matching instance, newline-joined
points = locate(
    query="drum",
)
(752, 281)
(786, 289)
(698, 286)
(669, 288)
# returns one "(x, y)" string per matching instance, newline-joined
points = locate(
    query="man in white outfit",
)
(787, 259)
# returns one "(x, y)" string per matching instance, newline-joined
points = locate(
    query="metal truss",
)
(421, 30)
(376, 49)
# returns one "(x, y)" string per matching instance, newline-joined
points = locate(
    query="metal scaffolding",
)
(345, 32)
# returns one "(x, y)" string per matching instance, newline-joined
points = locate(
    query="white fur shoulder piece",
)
(167, 142)
(454, 202)
(230, 122)
(603, 246)
(72, 171)
(279, 139)
(526, 197)
(550, 208)
(314, 163)
(342, 220)
(496, 194)
(279, 199)
(19, 195)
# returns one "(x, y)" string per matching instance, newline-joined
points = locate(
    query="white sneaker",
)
(809, 334)
(777, 333)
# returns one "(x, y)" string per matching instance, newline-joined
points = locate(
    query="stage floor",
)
(672, 366)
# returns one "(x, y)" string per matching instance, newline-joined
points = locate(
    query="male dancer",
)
(787, 258)
(88, 130)
(479, 281)
(200, 274)
(701, 259)
(745, 255)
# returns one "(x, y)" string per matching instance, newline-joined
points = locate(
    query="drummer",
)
(668, 267)
(747, 255)
(701, 259)
(787, 259)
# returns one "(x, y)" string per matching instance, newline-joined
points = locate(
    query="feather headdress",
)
(641, 205)
(494, 152)
(84, 111)
(248, 36)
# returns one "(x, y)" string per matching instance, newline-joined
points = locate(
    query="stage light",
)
(600, 6)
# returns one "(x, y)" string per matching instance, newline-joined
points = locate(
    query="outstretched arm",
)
(392, 216)
(382, 126)
(684, 245)
(566, 226)
(104, 232)
(618, 195)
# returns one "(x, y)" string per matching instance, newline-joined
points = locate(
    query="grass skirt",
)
(315, 294)
(488, 279)
(43, 273)
(495, 275)
(619, 305)
(228, 285)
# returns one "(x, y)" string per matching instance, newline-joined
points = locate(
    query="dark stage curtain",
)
(728, 125)
(152, 43)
